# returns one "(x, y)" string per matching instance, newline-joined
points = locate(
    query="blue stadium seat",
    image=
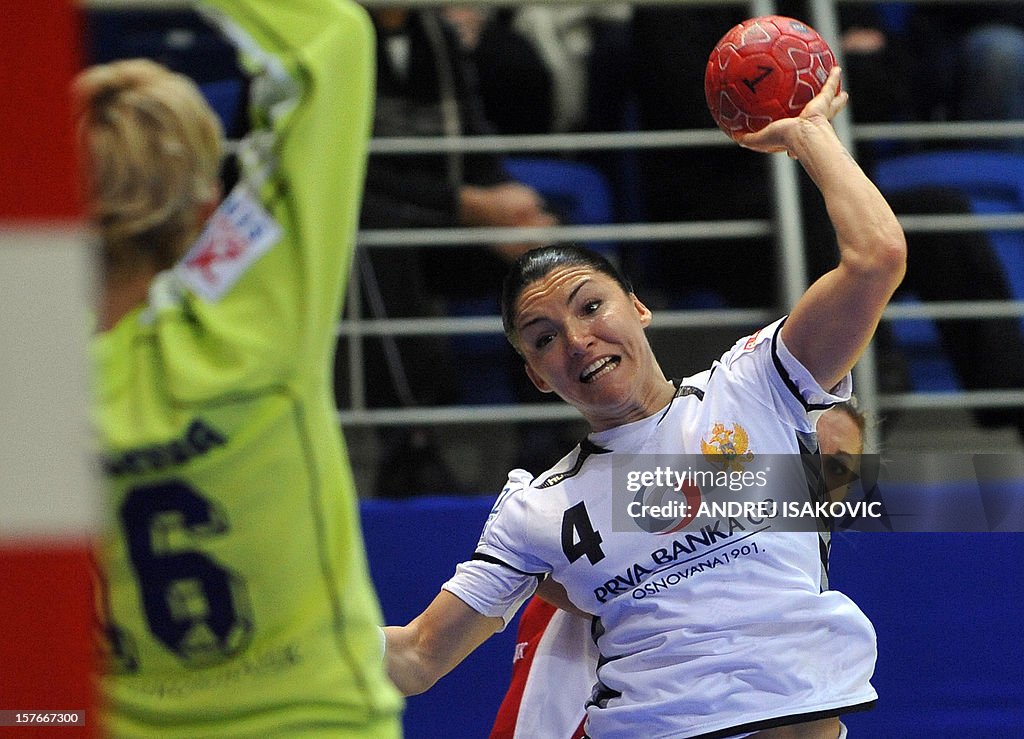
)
(578, 192)
(225, 97)
(179, 39)
(580, 195)
(993, 183)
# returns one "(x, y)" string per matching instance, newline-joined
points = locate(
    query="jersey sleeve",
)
(502, 573)
(765, 368)
(302, 165)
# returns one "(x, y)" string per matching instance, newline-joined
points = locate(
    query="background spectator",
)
(427, 87)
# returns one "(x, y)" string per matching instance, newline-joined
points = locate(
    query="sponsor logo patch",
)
(238, 233)
(751, 341)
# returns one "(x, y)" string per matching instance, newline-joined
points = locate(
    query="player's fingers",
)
(832, 81)
(829, 101)
(829, 90)
(840, 101)
(836, 104)
(765, 140)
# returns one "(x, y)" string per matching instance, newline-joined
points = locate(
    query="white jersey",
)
(699, 637)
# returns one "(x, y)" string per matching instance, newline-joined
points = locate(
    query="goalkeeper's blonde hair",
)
(152, 148)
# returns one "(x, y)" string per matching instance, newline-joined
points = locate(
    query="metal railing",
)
(785, 226)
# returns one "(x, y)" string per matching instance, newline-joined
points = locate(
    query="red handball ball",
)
(762, 70)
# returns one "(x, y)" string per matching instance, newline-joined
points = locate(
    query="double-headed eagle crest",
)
(728, 448)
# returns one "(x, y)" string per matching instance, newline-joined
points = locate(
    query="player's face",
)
(582, 337)
(841, 445)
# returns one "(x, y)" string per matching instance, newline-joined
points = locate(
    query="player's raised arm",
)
(311, 100)
(832, 323)
(433, 643)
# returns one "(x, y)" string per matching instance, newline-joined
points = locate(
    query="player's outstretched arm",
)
(832, 323)
(433, 643)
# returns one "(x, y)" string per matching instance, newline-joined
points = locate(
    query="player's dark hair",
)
(536, 263)
(851, 409)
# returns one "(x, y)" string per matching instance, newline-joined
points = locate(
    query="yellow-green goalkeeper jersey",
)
(235, 592)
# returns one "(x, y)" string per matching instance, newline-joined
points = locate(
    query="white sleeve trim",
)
(811, 393)
(491, 589)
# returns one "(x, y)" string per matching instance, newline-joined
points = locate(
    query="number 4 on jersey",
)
(579, 536)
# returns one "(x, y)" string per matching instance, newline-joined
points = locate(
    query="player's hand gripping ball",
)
(762, 70)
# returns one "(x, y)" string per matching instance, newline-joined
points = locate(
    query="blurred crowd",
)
(466, 71)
